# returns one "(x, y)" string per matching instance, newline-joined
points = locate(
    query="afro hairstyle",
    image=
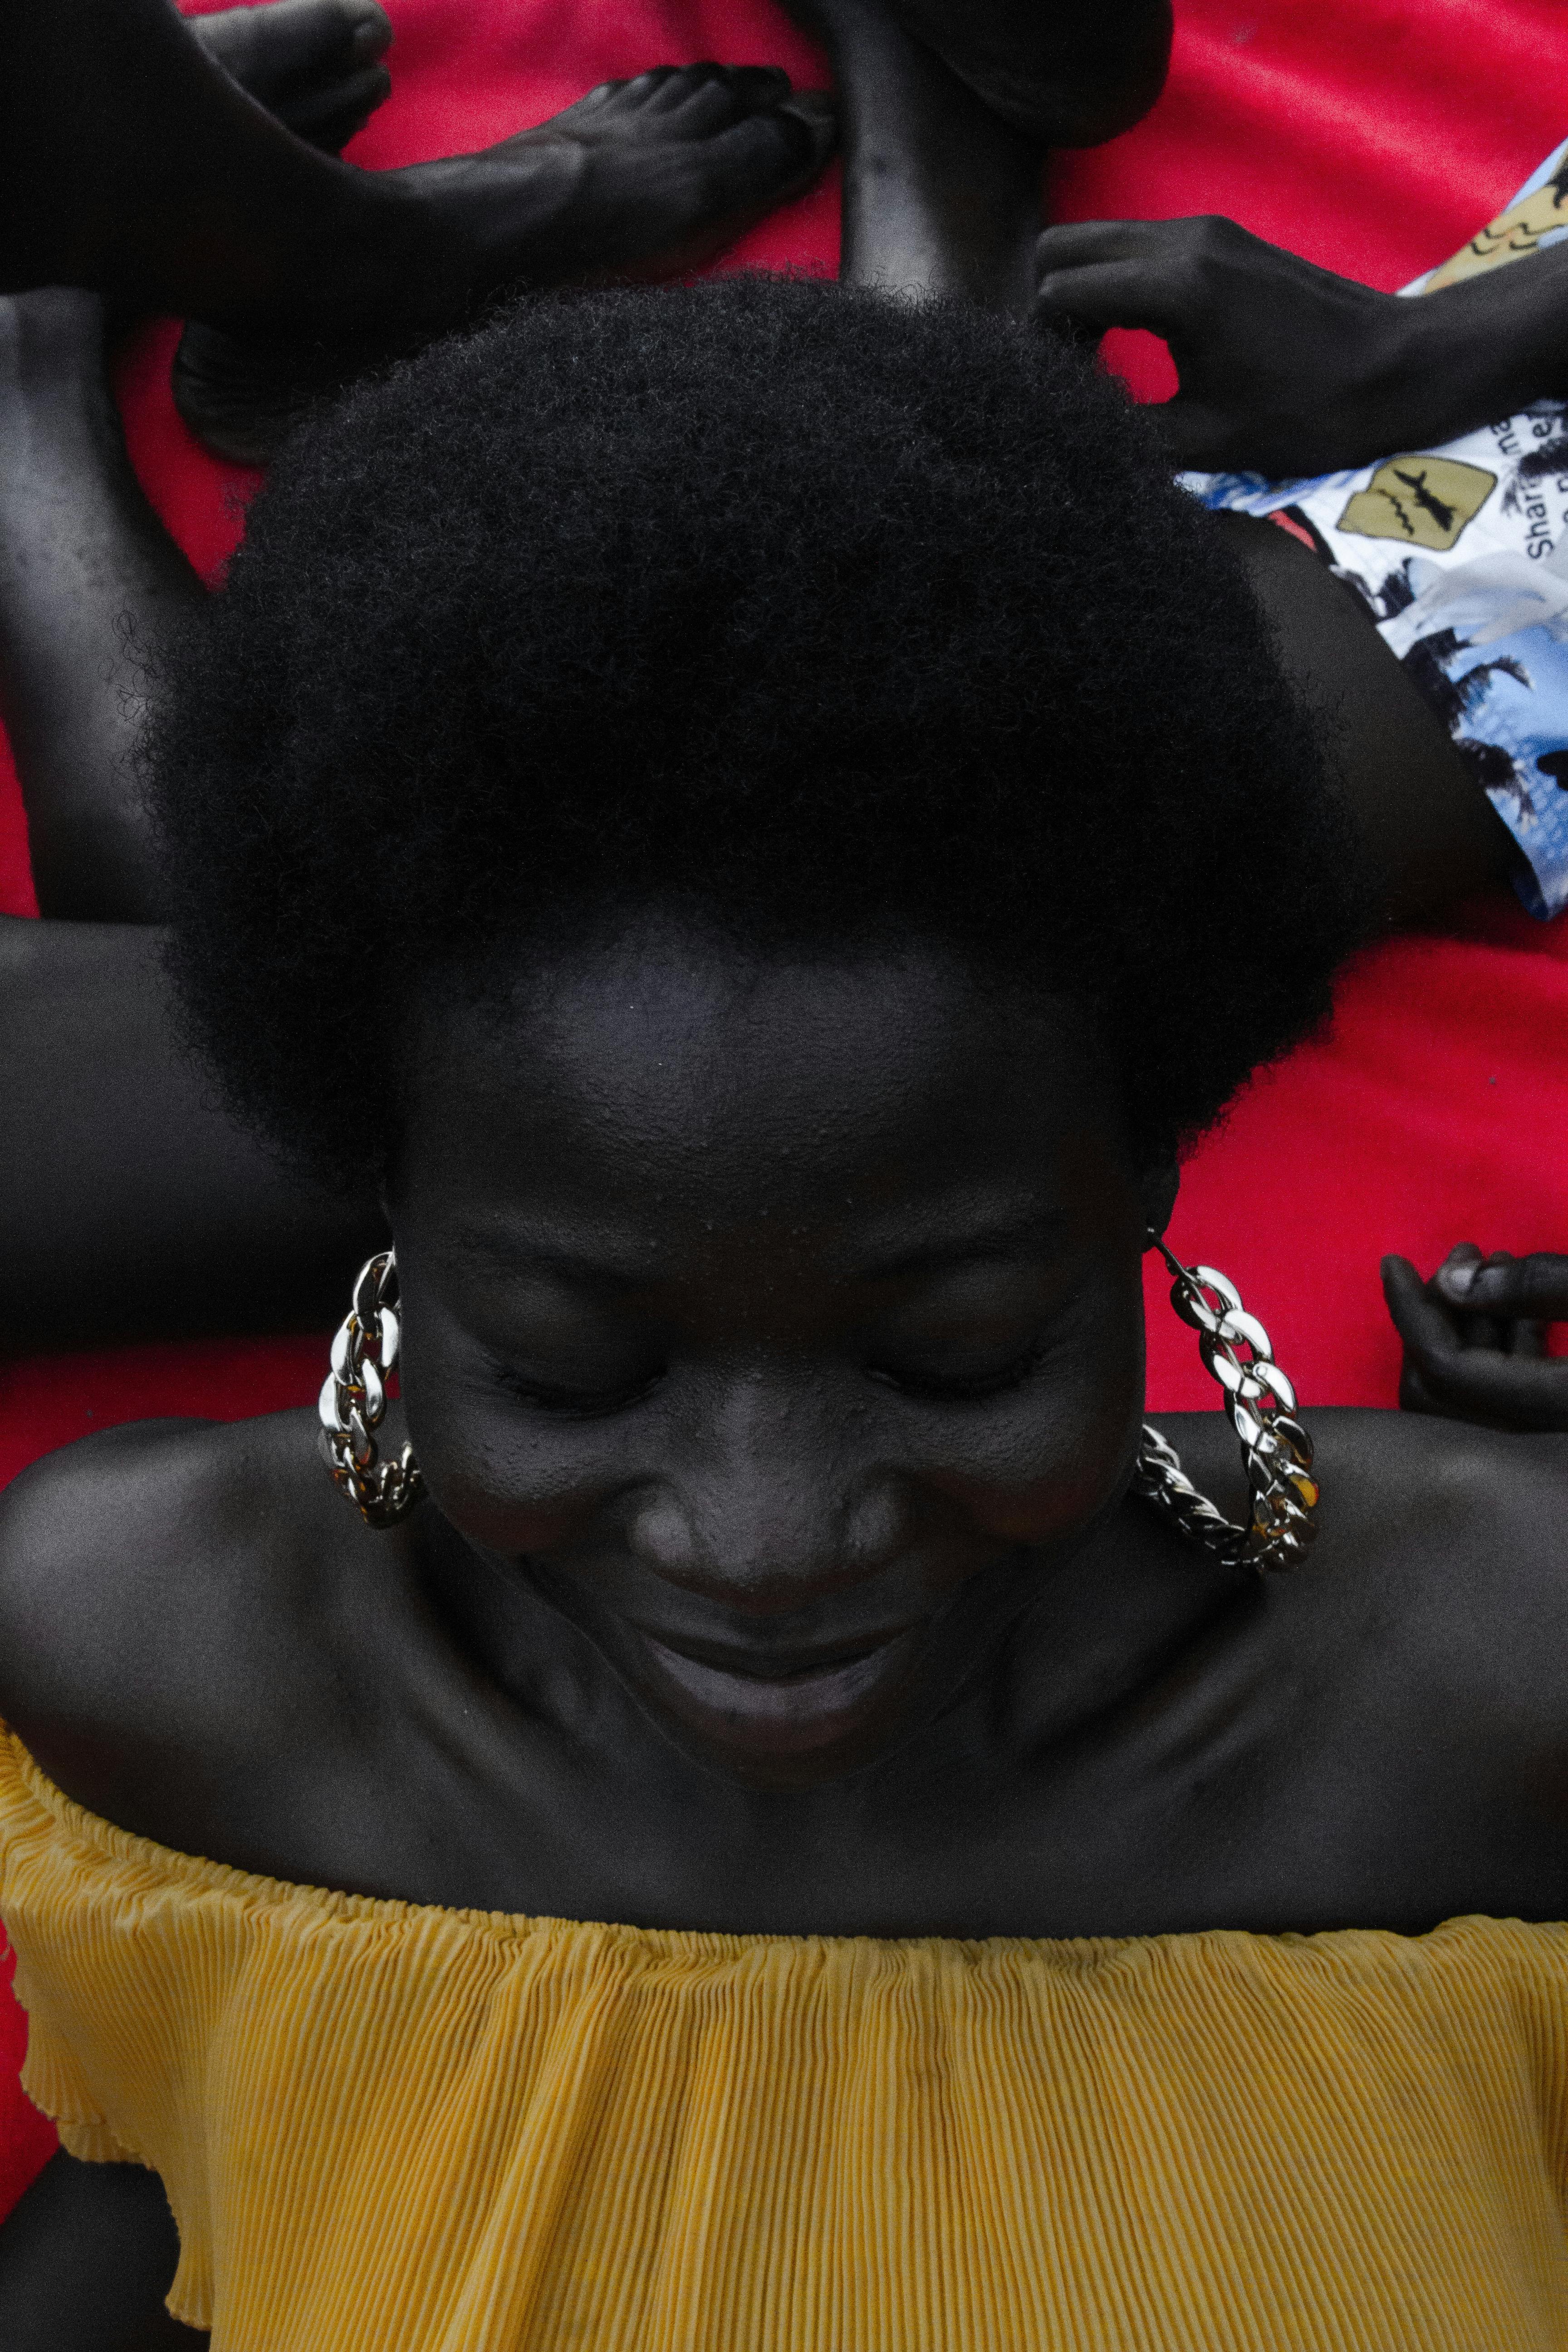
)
(831, 618)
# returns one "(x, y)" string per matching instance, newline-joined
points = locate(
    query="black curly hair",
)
(833, 618)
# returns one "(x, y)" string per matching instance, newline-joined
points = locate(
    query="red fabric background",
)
(1372, 136)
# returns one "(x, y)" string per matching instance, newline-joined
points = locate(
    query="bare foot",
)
(132, 163)
(665, 169)
(655, 174)
(316, 64)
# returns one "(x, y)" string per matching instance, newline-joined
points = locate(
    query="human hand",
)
(1284, 368)
(1475, 1337)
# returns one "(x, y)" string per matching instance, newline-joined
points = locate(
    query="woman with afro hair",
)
(756, 1803)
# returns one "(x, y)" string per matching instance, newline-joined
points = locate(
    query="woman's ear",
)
(1158, 1187)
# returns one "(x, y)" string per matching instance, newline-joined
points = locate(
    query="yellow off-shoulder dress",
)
(385, 2127)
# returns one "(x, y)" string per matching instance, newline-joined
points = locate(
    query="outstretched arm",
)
(1286, 369)
(131, 1206)
(86, 2260)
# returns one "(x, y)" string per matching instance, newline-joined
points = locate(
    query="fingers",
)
(1426, 1330)
(1116, 293)
(1163, 275)
(1080, 245)
(1533, 1289)
(1444, 1375)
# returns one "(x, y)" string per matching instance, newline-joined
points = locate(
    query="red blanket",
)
(1372, 135)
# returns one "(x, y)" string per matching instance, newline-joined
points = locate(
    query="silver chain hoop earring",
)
(354, 1402)
(1261, 1404)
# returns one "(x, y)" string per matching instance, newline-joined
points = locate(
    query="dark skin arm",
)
(131, 1205)
(1475, 1338)
(1286, 369)
(86, 2260)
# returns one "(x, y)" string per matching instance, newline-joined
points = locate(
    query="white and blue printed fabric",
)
(1460, 554)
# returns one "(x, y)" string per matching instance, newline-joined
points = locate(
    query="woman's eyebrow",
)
(967, 1243)
(625, 1260)
(604, 1263)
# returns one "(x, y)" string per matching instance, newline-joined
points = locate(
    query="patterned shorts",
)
(1460, 555)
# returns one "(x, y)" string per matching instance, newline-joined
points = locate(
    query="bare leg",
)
(89, 581)
(948, 113)
(1431, 834)
(132, 164)
(940, 197)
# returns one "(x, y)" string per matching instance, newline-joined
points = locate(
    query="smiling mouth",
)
(787, 1709)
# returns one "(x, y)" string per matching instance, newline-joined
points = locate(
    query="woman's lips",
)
(780, 1714)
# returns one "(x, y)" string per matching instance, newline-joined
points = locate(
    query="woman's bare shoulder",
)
(1445, 1548)
(1459, 1532)
(1453, 1481)
(150, 1573)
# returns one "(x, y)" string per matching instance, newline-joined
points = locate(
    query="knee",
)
(1068, 76)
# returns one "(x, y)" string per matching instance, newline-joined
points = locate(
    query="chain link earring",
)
(1258, 1396)
(1261, 1402)
(354, 1402)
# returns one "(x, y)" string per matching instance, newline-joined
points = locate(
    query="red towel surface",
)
(1372, 135)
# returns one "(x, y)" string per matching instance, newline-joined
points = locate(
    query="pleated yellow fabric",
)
(392, 2129)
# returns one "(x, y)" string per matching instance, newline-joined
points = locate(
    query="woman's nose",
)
(774, 1505)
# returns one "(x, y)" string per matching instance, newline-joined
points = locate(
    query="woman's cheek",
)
(498, 1480)
(1056, 1460)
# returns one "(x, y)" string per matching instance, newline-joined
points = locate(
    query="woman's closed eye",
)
(975, 1333)
(960, 1360)
(960, 1386)
(960, 1383)
(584, 1397)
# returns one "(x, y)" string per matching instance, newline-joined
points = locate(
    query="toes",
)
(762, 160)
(372, 36)
(816, 112)
(699, 101)
(329, 117)
(641, 91)
(287, 50)
(684, 86)
(765, 85)
(676, 102)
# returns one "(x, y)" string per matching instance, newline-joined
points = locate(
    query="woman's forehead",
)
(668, 1060)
